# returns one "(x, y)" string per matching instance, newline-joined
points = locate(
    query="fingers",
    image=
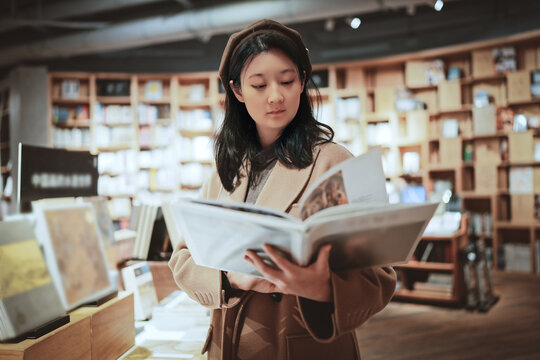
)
(278, 259)
(323, 256)
(266, 270)
(247, 282)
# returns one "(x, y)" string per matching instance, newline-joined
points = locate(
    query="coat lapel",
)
(239, 193)
(284, 185)
(281, 189)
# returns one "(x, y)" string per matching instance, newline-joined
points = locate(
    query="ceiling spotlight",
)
(329, 24)
(355, 23)
(438, 5)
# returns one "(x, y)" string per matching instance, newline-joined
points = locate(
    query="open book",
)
(347, 207)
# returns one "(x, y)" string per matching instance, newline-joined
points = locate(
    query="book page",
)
(245, 207)
(218, 237)
(356, 180)
(368, 235)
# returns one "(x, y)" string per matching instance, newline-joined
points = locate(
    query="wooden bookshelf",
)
(408, 273)
(373, 82)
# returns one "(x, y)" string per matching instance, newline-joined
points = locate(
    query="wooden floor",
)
(509, 330)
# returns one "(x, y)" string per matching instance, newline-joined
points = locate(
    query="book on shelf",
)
(73, 251)
(444, 224)
(427, 252)
(437, 283)
(138, 279)
(70, 89)
(153, 90)
(517, 257)
(175, 236)
(434, 251)
(364, 230)
(28, 297)
(152, 240)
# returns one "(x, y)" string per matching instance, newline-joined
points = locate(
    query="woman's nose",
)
(275, 95)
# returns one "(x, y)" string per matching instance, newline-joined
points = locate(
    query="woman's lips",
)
(276, 112)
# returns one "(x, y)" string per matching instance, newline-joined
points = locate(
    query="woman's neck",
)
(267, 140)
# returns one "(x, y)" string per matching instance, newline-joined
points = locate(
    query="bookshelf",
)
(439, 255)
(152, 132)
(198, 113)
(375, 102)
(70, 110)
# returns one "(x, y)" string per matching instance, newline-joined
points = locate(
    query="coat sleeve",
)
(357, 296)
(200, 283)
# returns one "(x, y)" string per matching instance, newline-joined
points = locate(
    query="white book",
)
(144, 231)
(141, 223)
(138, 279)
(172, 228)
(364, 230)
(145, 246)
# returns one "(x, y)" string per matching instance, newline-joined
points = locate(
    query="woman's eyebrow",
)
(281, 72)
(253, 75)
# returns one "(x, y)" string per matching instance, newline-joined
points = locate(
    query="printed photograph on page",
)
(331, 192)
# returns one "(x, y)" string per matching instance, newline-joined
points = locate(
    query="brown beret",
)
(238, 38)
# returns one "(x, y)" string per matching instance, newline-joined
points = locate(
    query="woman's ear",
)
(237, 91)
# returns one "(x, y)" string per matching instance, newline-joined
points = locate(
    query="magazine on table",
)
(346, 207)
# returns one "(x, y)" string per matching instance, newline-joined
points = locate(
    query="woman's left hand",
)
(311, 282)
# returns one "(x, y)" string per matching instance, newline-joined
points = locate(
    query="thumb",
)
(324, 255)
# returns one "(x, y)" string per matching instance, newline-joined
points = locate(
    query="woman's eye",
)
(258, 86)
(287, 82)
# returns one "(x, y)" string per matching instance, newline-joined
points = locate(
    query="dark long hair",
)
(237, 140)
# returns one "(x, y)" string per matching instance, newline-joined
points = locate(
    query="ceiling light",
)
(355, 23)
(329, 24)
(438, 5)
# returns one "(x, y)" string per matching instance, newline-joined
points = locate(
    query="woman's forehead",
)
(271, 61)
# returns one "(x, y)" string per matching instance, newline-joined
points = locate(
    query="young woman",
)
(269, 150)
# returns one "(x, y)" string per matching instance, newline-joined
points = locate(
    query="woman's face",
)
(270, 87)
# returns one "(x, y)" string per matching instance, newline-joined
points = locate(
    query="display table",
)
(70, 341)
(94, 332)
(111, 325)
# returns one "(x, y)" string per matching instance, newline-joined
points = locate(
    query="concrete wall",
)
(28, 111)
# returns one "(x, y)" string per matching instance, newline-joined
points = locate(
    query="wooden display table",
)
(71, 341)
(112, 327)
(93, 333)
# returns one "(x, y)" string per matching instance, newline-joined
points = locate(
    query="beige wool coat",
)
(257, 326)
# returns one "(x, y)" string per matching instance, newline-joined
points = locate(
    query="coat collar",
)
(282, 188)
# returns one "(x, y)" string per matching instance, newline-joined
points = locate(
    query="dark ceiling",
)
(383, 32)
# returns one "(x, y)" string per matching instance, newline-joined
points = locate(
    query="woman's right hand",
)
(246, 282)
